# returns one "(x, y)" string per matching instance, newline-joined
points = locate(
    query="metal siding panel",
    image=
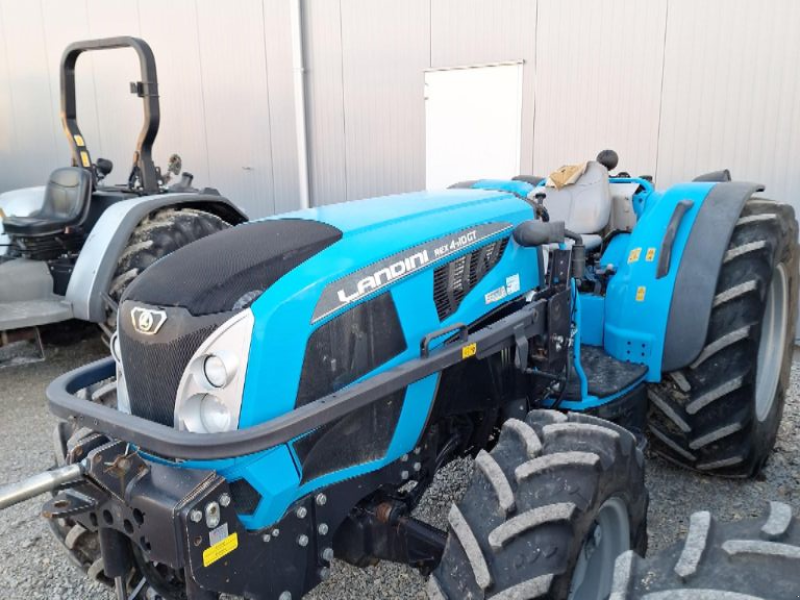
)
(34, 154)
(234, 74)
(474, 32)
(8, 136)
(731, 94)
(598, 82)
(119, 113)
(64, 23)
(278, 43)
(385, 49)
(177, 50)
(325, 102)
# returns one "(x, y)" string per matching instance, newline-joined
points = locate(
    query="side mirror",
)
(539, 233)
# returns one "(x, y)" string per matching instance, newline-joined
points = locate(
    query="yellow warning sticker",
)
(469, 351)
(634, 255)
(85, 159)
(220, 549)
(651, 254)
(79, 139)
(640, 293)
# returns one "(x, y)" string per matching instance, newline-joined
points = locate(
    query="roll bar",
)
(147, 89)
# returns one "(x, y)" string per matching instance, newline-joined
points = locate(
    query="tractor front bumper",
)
(512, 331)
(155, 513)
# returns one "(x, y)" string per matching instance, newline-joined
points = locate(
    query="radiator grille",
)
(245, 497)
(154, 364)
(454, 280)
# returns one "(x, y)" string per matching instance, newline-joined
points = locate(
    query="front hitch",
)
(49, 481)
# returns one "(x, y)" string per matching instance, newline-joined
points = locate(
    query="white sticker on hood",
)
(512, 286)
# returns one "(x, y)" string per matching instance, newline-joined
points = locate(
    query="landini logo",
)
(383, 276)
(147, 321)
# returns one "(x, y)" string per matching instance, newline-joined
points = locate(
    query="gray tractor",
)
(69, 249)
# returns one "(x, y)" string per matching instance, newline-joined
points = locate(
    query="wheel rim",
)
(609, 537)
(772, 346)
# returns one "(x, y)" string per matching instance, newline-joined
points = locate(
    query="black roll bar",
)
(147, 89)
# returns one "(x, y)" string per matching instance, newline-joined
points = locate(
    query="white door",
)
(473, 120)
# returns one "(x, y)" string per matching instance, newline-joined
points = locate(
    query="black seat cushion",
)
(66, 204)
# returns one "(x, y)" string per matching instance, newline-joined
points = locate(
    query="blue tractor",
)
(287, 389)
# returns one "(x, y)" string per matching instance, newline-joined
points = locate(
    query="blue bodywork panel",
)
(628, 323)
(637, 303)
(372, 230)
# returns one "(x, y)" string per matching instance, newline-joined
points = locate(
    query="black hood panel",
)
(228, 270)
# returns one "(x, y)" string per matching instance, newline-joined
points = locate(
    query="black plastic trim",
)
(696, 281)
(167, 441)
(716, 176)
(668, 241)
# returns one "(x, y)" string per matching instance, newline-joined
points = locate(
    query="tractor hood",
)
(296, 272)
(230, 270)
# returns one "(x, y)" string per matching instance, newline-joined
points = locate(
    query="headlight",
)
(209, 397)
(214, 370)
(206, 413)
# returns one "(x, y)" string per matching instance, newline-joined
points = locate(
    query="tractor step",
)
(605, 375)
(32, 313)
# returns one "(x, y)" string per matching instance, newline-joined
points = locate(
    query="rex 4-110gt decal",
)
(378, 275)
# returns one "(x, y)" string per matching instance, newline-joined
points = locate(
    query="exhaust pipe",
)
(40, 484)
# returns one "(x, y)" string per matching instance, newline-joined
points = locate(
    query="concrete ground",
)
(35, 566)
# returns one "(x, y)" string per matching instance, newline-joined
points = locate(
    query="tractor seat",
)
(585, 206)
(66, 204)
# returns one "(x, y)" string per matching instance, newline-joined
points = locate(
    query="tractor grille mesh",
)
(454, 280)
(362, 436)
(245, 497)
(154, 364)
(349, 346)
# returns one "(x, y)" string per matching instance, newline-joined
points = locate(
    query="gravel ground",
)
(34, 566)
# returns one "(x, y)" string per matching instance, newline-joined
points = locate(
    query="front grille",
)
(454, 280)
(245, 497)
(154, 364)
(362, 436)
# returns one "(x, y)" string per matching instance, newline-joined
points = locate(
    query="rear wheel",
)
(749, 560)
(158, 235)
(547, 513)
(721, 414)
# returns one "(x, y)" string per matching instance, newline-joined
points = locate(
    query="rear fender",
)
(98, 259)
(659, 303)
(699, 269)
(637, 300)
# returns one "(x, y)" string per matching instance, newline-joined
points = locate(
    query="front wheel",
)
(547, 513)
(755, 559)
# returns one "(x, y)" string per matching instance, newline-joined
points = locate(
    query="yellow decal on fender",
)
(220, 549)
(640, 293)
(469, 351)
(634, 255)
(79, 139)
(651, 254)
(85, 159)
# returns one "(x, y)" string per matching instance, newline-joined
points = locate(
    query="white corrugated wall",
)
(677, 87)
